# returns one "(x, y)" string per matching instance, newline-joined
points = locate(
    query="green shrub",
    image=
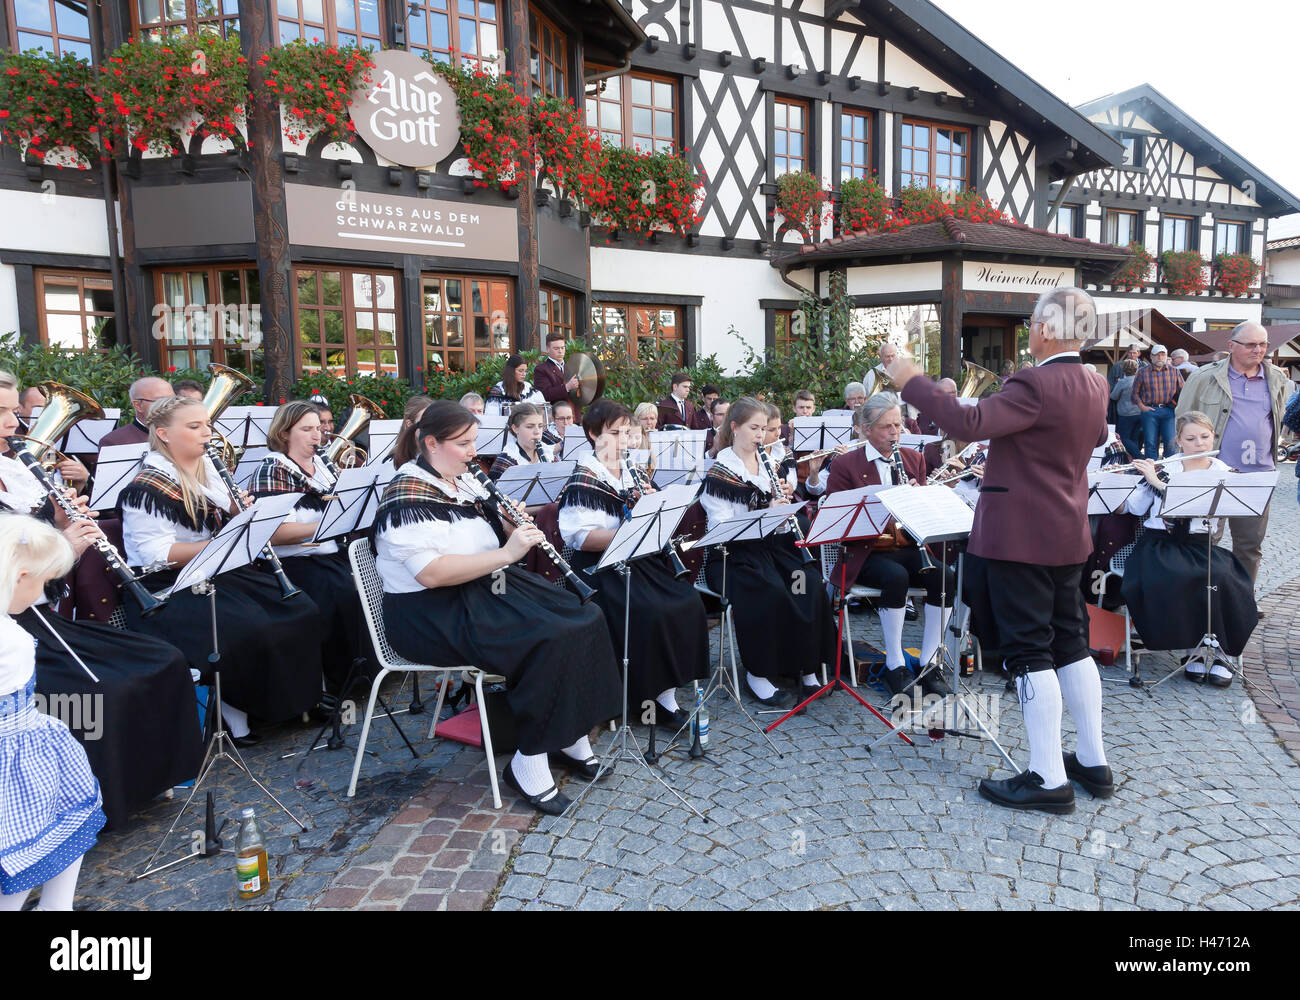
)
(104, 377)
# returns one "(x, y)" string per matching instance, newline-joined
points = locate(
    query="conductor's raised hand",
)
(903, 369)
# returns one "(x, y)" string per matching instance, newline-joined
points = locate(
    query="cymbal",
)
(591, 377)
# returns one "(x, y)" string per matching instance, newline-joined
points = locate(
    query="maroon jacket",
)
(549, 381)
(1043, 427)
(132, 433)
(852, 470)
(697, 420)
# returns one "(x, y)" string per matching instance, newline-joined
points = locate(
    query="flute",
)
(517, 514)
(766, 461)
(287, 589)
(813, 455)
(148, 603)
(1160, 461)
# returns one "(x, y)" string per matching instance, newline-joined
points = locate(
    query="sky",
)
(1230, 66)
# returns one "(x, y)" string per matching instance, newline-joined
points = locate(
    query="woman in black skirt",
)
(322, 571)
(668, 643)
(1165, 575)
(452, 592)
(784, 623)
(270, 647)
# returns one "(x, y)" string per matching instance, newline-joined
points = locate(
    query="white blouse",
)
(717, 509)
(403, 551)
(17, 656)
(1145, 500)
(576, 523)
(19, 489)
(147, 537)
(321, 479)
(511, 450)
(500, 406)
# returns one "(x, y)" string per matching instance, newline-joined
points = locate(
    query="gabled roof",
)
(1290, 243)
(950, 233)
(1066, 139)
(1146, 327)
(1209, 150)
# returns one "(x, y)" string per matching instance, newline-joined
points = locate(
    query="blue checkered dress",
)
(49, 798)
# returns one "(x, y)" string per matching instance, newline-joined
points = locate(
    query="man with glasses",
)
(1244, 397)
(144, 392)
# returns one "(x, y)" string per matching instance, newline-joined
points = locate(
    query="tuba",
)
(227, 386)
(974, 385)
(341, 451)
(878, 380)
(64, 406)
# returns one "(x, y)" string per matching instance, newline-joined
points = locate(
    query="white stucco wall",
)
(47, 223)
(8, 300)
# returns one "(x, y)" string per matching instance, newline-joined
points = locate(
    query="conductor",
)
(1031, 529)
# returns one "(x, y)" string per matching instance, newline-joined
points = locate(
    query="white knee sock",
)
(891, 624)
(1040, 704)
(809, 680)
(59, 892)
(761, 686)
(13, 902)
(936, 618)
(580, 750)
(236, 720)
(668, 700)
(532, 773)
(1081, 691)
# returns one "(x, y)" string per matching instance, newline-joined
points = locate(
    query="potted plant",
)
(863, 204)
(1235, 273)
(314, 83)
(1135, 272)
(1184, 271)
(45, 104)
(804, 203)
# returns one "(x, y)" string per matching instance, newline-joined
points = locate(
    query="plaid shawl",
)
(273, 477)
(156, 493)
(724, 484)
(586, 489)
(409, 499)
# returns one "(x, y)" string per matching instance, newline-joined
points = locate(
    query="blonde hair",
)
(642, 409)
(31, 545)
(164, 413)
(8, 380)
(1193, 417)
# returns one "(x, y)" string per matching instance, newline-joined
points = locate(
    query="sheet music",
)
(750, 525)
(492, 433)
(239, 542)
(929, 513)
(248, 464)
(383, 437)
(535, 484)
(663, 478)
(85, 435)
(653, 524)
(821, 432)
(116, 467)
(1109, 491)
(844, 517)
(355, 501)
(1215, 493)
(237, 425)
(678, 449)
(575, 442)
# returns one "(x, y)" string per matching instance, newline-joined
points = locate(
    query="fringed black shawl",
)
(274, 477)
(586, 489)
(156, 493)
(724, 484)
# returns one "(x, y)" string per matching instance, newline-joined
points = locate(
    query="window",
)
(342, 22)
(347, 320)
(555, 311)
(1230, 237)
(636, 110)
(1177, 232)
(163, 18)
(1123, 228)
(936, 156)
(855, 144)
(58, 26)
(212, 314)
(1068, 221)
(628, 329)
(547, 56)
(75, 310)
(466, 319)
(1132, 150)
(789, 136)
(459, 32)
(783, 329)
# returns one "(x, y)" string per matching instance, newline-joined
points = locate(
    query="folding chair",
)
(1115, 570)
(372, 595)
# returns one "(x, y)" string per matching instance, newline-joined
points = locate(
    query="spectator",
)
(1116, 372)
(855, 394)
(1128, 417)
(473, 402)
(1181, 360)
(1156, 390)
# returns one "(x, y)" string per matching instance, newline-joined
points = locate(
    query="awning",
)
(1145, 327)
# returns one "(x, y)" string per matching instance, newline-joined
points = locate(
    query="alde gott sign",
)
(407, 112)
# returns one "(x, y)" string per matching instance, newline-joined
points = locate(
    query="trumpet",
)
(1159, 461)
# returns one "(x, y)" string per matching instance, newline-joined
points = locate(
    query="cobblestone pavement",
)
(1206, 815)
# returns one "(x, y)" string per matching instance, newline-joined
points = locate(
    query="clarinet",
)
(900, 473)
(323, 454)
(130, 582)
(766, 459)
(680, 572)
(287, 589)
(520, 517)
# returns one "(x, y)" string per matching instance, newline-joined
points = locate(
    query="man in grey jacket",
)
(1244, 397)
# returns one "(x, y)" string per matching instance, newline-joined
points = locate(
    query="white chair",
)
(1115, 570)
(371, 590)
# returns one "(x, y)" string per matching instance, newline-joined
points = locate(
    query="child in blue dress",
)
(50, 805)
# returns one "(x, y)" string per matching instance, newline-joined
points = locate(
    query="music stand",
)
(383, 438)
(249, 462)
(821, 433)
(114, 470)
(492, 434)
(535, 484)
(678, 449)
(663, 478)
(353, 502)
(1108, 492)
(236, 545)
(848, 516)
(84, 436)
(575, 443)
(918, 442)
(645, 534)
(1201, 495)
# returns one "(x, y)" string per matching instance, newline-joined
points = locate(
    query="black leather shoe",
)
(806, 691)
(934, 683)
(899, 680)
(1097, 780)
(672, 721)
(909, 611)
(553, 806)
(781, 698)
(588, 768)
(244, 742)
(1025, 791)
(1218, 680)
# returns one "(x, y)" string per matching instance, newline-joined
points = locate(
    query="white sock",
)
(1219, 670)
(236, 720)
(580, 750)
(668, 700)
(761, 686)
(936, 618)
(891, 625)
(810, 680)
(1040, 704)
(59, 892)
(1197, 664)
(1081, 691)
(532, 773)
